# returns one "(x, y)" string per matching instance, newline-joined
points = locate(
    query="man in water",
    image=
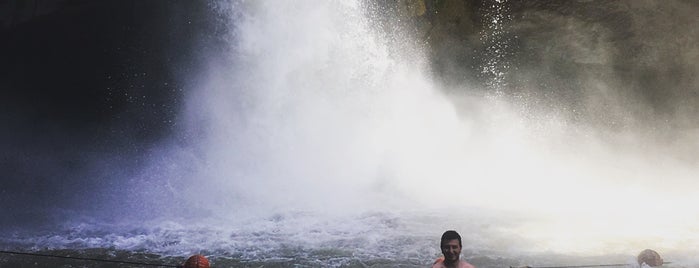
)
(451, 249)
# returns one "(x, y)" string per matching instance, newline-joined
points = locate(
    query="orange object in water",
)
(196, 261)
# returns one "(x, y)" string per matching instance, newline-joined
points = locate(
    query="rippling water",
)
(296, 239)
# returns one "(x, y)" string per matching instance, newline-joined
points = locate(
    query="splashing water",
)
(496, 38)
(315, 133)
(318, 112)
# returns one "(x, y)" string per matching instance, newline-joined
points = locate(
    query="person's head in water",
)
(650, 257)
(451, 246)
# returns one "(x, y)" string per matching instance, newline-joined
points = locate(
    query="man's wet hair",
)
(450, 235)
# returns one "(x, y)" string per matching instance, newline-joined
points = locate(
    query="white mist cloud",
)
(317, 112)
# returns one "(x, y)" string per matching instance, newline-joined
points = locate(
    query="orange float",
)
(196, 261)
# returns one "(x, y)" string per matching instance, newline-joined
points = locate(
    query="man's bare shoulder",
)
(462, 264)
(438, 265)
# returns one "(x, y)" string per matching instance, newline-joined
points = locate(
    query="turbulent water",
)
(321, 137)
(296, 239)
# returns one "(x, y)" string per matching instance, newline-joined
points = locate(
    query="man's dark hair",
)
(450, 235)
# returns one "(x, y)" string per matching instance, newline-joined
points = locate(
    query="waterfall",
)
(320, 133)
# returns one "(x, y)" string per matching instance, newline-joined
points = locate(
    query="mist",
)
(327, 112)
(534, 127)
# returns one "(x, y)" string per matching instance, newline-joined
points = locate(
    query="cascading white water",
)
(314, 109)
(319, 112)
(323, 134)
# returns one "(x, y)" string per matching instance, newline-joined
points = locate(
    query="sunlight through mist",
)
(318, 112)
